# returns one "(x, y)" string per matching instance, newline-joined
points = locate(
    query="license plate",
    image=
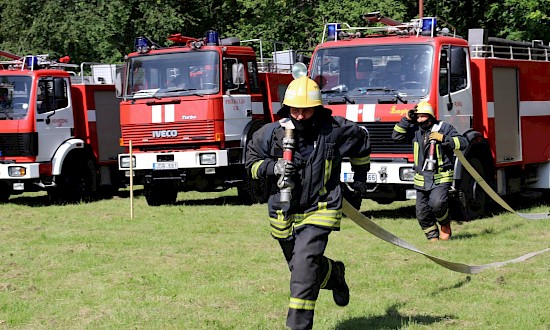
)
(165, 166)
(371, 177)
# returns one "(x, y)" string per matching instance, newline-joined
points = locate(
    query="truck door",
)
(507, 127)
(455, 88)
(237, 104)
(54, 116)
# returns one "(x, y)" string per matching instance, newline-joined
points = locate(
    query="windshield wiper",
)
(5, 113)
(341, 93)
(184, 90)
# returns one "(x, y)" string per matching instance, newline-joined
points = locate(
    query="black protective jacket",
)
(405, 131)
(318, 153)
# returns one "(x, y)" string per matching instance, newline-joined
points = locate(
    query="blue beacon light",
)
(332, 31)
(142, 45)
(428, 24)
(31, 62)
(212, 38)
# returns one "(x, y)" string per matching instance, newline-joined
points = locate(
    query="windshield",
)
(15, 94)
(363, 71)
(173, 74)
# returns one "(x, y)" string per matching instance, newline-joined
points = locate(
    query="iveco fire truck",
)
(188, 111)
(494, 91)
(59, 129)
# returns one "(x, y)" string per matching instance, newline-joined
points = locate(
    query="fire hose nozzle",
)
(429, 165)
(285, 184)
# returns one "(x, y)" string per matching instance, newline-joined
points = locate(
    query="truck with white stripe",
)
(59, 128)
(494, 91)
(188, 111)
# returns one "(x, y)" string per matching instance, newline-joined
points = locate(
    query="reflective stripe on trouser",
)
(432, 206)
(310, 271)
(282, 228)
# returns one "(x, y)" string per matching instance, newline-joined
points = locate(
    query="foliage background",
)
(103, 31)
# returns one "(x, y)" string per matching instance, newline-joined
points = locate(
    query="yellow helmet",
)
(425, 107)
(303, 93)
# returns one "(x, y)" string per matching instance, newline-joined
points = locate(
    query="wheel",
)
(158, 194)
(471, 197)
(383, 200)
(5, 192)
(77, 182)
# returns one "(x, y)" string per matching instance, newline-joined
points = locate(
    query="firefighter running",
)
(302, 226)
(433, 145)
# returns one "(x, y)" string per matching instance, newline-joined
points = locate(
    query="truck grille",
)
(381, 141)
(18, 144)
(182, 133)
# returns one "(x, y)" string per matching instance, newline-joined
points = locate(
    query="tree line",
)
(104, 31)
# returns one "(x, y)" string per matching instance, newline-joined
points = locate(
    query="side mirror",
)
(118, 80)
(238, 73)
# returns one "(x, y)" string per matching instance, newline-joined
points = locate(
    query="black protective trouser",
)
(432, 206)
(310, 271)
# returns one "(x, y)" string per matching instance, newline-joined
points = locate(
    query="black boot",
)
(340, 290)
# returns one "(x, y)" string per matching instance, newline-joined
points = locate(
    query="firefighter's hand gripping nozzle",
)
(429, 164)
(285, 183)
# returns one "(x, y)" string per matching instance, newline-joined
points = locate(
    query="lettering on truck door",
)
(237, 110)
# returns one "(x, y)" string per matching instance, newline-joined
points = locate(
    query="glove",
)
(437, 136)
(359, 186)
(411, 115)
(284, 168)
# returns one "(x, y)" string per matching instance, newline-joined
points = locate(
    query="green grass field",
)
(210, 263)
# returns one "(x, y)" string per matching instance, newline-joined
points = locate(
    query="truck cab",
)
(188, 111)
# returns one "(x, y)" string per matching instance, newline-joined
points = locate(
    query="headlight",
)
(17, 171)
(125, 161)
(406, 174)
(207, 159)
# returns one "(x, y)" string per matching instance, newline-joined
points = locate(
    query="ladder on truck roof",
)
(482, 46)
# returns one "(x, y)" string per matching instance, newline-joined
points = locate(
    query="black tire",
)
(5, 193)
(157, 194)
(77, 182)
(471, 197)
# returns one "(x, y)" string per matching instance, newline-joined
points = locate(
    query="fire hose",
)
(381, 233)
(492, 193)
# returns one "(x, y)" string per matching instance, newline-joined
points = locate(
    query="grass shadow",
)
(401, 212)
(392, 319)
(44, 200)
(486, 232)
(457, 285)
(218, 201)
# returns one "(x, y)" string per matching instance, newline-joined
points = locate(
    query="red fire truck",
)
(59, 129)
(189, 110)
(493, 91)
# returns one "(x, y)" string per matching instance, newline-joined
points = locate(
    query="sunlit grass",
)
(209, 263)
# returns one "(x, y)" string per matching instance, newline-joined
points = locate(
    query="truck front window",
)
(173, 74)
(14, 97)
(360, 71)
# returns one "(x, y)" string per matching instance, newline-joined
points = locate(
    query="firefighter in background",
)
(433, 145)
(302, 226)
